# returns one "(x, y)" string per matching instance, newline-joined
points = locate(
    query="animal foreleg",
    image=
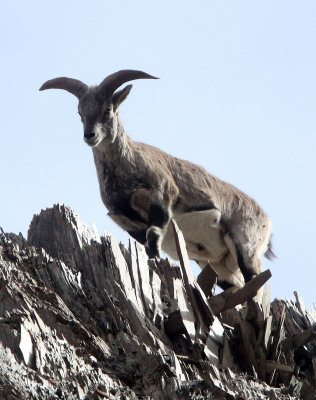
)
(158, 218)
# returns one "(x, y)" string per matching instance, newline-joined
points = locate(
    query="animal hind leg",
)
(242, 264)
(250, 267)
(250, 243)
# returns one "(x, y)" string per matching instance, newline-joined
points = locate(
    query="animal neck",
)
(112, 153)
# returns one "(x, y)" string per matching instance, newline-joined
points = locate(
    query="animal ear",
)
(120, 95)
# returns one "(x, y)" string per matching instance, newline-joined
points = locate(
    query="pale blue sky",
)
(237, 95)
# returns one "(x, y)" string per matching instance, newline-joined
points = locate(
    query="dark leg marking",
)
(206, 207)
(152, 247)
(140, 236)
(157, 217)
(247, 272)
(124, 208)
(224, 285)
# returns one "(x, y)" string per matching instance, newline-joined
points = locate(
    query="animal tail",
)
(269, 254)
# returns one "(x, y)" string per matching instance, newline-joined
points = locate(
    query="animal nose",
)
(89, 135)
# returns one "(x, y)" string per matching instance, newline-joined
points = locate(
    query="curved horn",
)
(113, 81)
(72, 86)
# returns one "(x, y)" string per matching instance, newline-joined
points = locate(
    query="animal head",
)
(98, 105)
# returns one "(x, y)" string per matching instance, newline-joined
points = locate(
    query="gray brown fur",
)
(144, 187)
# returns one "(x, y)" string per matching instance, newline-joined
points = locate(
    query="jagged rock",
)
(84, 317)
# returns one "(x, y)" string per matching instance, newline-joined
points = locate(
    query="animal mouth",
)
(92, 142)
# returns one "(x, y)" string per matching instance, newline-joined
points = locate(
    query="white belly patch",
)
(202, 234)
(205, 242)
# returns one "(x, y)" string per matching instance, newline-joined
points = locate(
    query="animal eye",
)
(106, 112)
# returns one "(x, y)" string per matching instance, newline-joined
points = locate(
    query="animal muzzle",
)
(88, 135)
(90, 138)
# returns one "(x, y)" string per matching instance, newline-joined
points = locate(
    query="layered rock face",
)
(84, 317)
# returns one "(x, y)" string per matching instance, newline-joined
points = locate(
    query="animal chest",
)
(123, 197)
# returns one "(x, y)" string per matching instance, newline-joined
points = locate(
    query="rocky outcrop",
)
(84, 317)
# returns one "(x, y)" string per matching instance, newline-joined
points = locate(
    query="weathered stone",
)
(83, 317)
